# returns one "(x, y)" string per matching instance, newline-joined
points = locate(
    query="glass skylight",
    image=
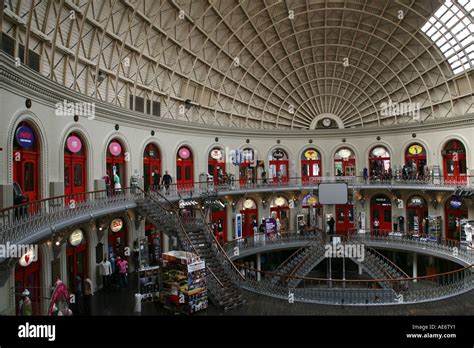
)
(452, 30)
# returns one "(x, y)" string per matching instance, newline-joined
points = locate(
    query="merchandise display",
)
(149, 284)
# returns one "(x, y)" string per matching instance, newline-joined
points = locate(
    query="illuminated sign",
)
(116, 225)
(216, 154)
(76, 237)
(25, 136)
(28, 257)
(280, 201)
(74, 144)
(455, 203)
(248, 204)
(184, 153)
(278, 154)
(345, 153)
(415, 149)
(115, 148)
(311, 154)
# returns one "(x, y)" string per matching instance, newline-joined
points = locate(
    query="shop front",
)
(312, 212)
(216, 165)
(454, 161)
(344, 162)
(77, 261)
(311, 166)
(219, 223)
(417, 214)
(27, 277)
(380, 214)
(184, 168)
(116, 163)
(26, 158)
(249, 214)
(278, 166)
(248, 167)
(415, 160)
(455, 210)
(280, 210)
(379, 162)
(117, 237)
(344, 218)
(75, 158)
(151, 165)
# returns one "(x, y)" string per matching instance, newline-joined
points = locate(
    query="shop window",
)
(29, 181)
(78, 175)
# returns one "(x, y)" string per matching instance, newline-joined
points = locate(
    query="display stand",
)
(149, 283)
(183, 282)
(434, 228)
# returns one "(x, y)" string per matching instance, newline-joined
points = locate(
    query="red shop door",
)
(28, 278)
(455, 167)
(213, 167)
(248, 215)
(184, 174)
(119, 164)
(76, 264)
(118, 242)
(25, 172)
(280, 166)
(310, 169)
(219, 220)
(384, 214)
(74, 175)
(344, 218)
(149, 167)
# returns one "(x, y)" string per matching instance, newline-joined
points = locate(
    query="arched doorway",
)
(117, 237)
(77, 261)
(75, 158)
(344, 218)
(379, 161)
(381, 211)
(454, 161)
(116, 162)
(27, 277)
(278, 166)
(216, 165)
(218, 216)
(26, 158)
(415, 161)
(151, 165)
(184, 168)
(311, 166)
(417, 212)
(344, 162)
(249, 217)
(455, 210)
(248, 167)
(312, 211)
(279, 209)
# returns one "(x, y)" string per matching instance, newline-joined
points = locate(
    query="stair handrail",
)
(219, 246)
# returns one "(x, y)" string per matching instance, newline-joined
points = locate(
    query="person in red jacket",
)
(122, 267)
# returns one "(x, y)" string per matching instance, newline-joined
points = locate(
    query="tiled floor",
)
(121, 302)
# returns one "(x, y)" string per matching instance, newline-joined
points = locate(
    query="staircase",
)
(193, 236)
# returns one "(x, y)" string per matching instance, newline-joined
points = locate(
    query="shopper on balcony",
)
(156, 180)
(365, 173)
(167, 181)
(376, 225)
(117, 184)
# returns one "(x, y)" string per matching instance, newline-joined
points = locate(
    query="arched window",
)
(379, 161)
(278, 166)
(151, 166)
(216, 165)
(116, 163)
(454, 161)
(417, 214)
(311, 166)
(415, 161)
(380, 214)
(184, 168)
(75, 158)
(344, 162)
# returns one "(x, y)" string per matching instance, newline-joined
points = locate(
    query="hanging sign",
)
(25, 136)
(280, 201)
(310, 200)
(29, 257)
(76, 237)
(115, 148)
(74, 144)
(270, 226)
(184, 153)
(415, 149)
(278, 154)
(311, 154)
(216, 154)
(345, 153)
(116, 225)
(249, 204)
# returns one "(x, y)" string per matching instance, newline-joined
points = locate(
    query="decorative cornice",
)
(22, 80)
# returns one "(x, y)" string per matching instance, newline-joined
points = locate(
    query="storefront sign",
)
(416, 202)
(310, 200)
(116, 225)
(311, 154)
(184, 153)
(280, 201)
(216, 154)
(345, 153)
(415, 149)
(249, 204)
(25, 136)
(29, 257)
(115, 148)
(76, 237)
(455, 203)
(238, 226)
(278, 154)
(74, 144)
(246, 156)
(380, 152)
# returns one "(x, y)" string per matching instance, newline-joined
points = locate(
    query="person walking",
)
(167, 181)
(156, 180)
(26, 308)
(88, 293)
(331, 223)
(376, 225)
(122, 266)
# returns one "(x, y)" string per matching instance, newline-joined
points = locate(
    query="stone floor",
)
(121, 302)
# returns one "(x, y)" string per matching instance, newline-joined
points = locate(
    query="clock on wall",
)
(327, 122)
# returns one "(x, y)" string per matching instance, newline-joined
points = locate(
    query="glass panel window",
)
(77, 175)
(387, 216)
(187, 173)
(67, 179)
(29, 178)
(178, 172)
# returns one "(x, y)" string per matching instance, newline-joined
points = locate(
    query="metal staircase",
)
(194, 236)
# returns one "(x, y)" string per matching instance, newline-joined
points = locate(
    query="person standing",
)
(105, 272)
(26, 308)
(122, 266)
(117, 184)
(88, 293)
(365, 174)
(78, 295)
(156, 180)
(331, 223)
(376, 225)
(167, 181)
